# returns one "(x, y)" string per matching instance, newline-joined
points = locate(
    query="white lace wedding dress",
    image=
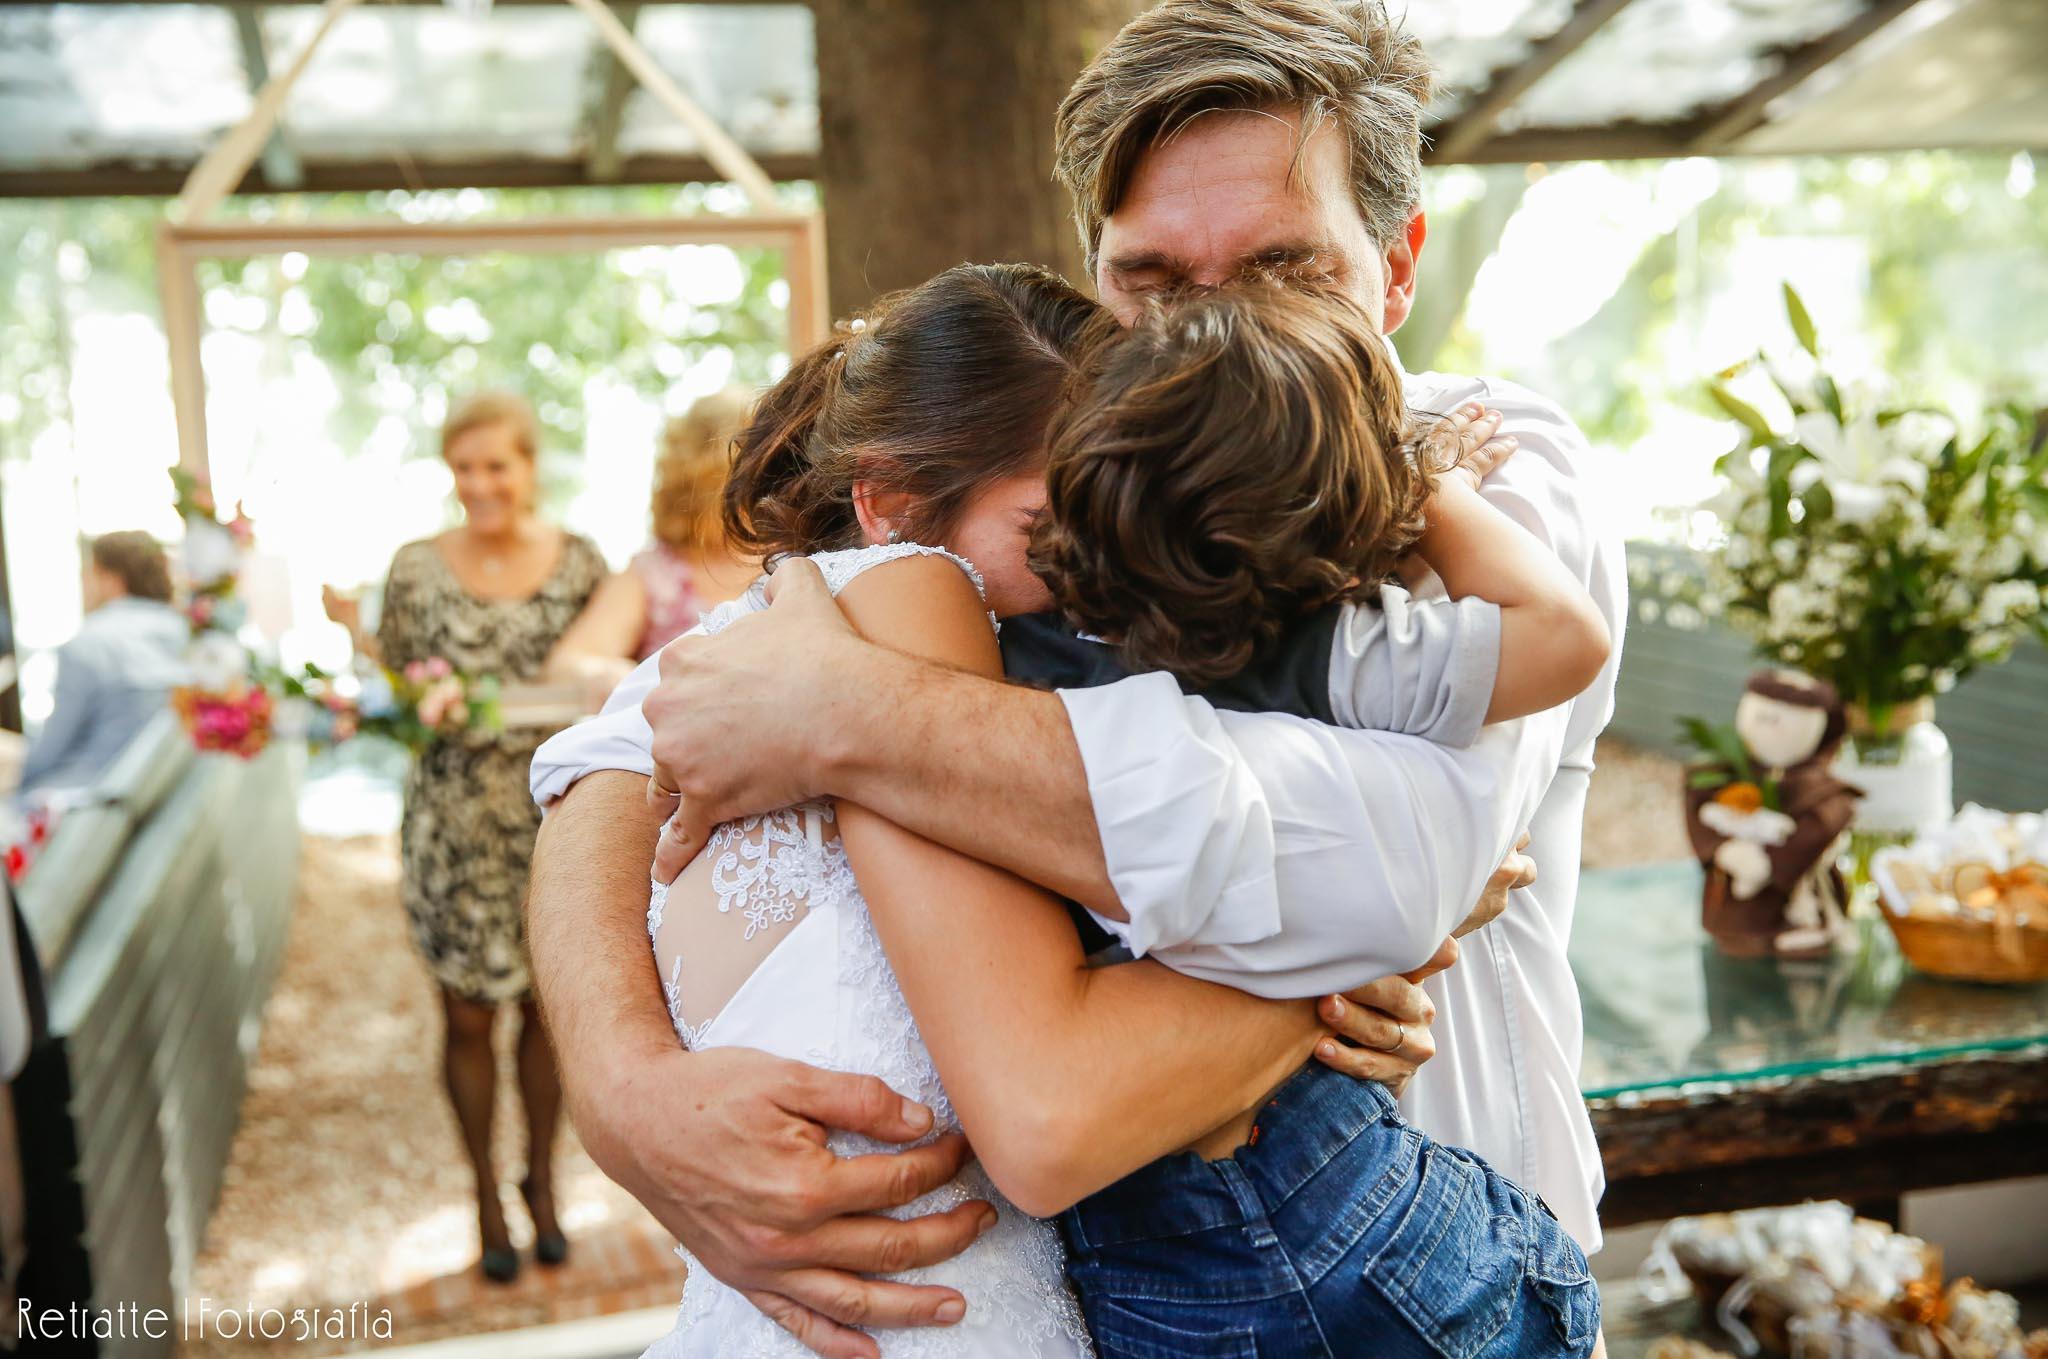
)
(764, 942)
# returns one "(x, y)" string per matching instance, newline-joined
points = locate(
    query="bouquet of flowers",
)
(236, 701)
(1873, 545)
(212, 554)
(426, 701)
(235, 720)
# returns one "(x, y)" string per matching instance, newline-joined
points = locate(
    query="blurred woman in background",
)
(685, 572)
(491, 597)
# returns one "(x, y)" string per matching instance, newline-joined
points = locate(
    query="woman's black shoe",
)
(549, 1248)
(500, 1264)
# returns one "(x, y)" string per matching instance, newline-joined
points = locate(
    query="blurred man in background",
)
(116, 673)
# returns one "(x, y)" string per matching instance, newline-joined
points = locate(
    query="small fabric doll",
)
(1767, 818)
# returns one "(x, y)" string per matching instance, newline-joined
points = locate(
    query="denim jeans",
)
(1339, 1232)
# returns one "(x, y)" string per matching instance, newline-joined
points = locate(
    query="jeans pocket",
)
(1453, 1266)
(1121, 1333)
(1564, 1281)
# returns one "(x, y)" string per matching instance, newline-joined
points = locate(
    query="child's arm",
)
(1553, 641)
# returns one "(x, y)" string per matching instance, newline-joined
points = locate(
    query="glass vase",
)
(1907, 773)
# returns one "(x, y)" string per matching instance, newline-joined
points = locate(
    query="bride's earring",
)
(895, 536)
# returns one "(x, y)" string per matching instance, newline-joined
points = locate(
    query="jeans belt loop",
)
(1256, 1224)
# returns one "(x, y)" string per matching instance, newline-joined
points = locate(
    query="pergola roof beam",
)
(1749, 111)
(117, 177)
(522, 4)
(280, 166)
(1613, 141)
(1457, 138)
(611, 83)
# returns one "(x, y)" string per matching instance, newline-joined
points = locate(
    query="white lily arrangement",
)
(1870, 545)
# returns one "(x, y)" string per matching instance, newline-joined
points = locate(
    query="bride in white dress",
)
(765, 942)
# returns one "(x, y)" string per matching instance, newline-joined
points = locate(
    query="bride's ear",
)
(880, 512)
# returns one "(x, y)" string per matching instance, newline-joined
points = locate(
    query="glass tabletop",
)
(1663, 1006)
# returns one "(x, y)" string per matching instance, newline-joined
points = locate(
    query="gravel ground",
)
(1635, 812)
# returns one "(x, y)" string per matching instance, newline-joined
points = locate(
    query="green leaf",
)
(1819, 500)
(1698, 731)
(1802, 321)
(1830, 396)
(1719, 744)
(1742, 412)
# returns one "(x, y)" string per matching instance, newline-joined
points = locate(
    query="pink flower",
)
(237, 722)
(415, 672)
(223, 726)
(438, 667)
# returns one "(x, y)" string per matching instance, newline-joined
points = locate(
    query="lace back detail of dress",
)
(766, 873)
(1015, 1274)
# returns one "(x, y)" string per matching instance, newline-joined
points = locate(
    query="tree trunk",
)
(1458, 246)
(936, 135)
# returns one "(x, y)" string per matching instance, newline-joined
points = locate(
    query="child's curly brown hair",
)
(1241, 457)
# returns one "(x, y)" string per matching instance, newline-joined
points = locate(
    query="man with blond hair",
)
(1209, 136)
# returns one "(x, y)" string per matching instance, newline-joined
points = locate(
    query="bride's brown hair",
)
(1241, 458)
(934, 393)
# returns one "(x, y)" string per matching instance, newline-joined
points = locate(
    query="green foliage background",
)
(554, 321)
(1958, 281)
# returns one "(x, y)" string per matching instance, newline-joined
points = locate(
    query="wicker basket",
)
(1972, 950)
(1944, 941)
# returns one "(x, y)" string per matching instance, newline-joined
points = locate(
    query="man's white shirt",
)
(1291, 858)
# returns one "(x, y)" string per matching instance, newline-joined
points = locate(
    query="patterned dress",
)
(469, 821)
(673, 606)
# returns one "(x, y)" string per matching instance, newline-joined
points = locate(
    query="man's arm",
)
(1377, 844)
(726, 1147)
(77, 694)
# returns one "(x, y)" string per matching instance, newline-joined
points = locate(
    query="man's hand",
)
(1517, 870)
(1383, 1028)
(739, 718)
(726, 1147)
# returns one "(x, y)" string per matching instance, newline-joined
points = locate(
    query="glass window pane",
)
(81, 84)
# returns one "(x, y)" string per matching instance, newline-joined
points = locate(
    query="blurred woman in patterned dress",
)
(491, 597)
